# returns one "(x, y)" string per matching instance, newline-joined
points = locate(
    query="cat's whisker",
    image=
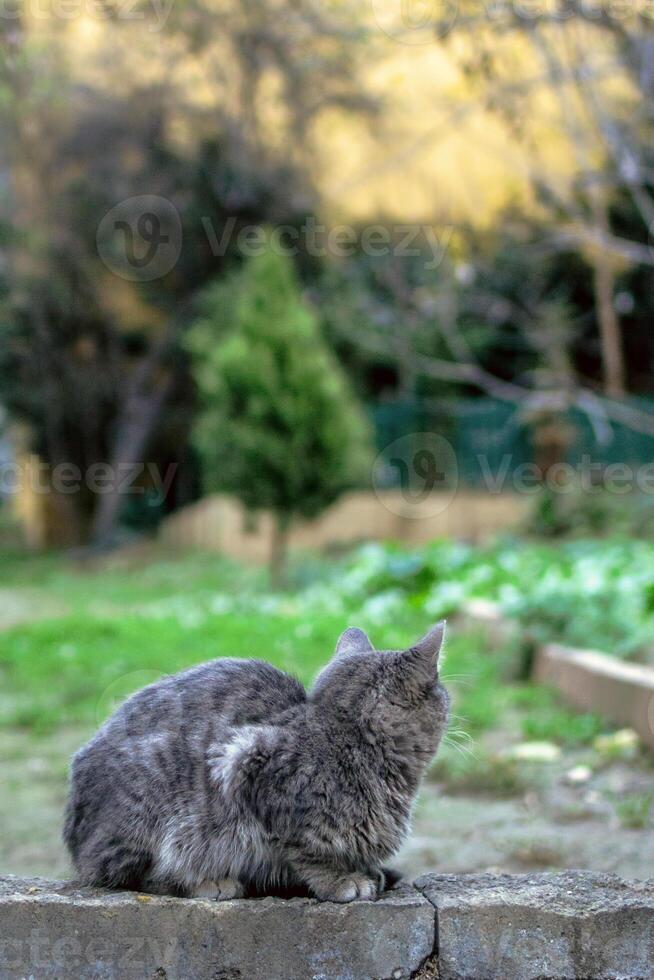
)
(463, 750)
(460, 736)
(459, 733)
(454, 682)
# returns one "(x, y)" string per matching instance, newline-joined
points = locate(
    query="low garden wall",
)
(587, 679)
(219, 523)
(486, 927)
(596, 682)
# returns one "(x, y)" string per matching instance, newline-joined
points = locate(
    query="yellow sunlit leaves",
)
(468, 121)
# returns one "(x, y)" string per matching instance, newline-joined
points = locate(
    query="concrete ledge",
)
(565, 926)
(488, 927)
(596, 682)
(56, 931)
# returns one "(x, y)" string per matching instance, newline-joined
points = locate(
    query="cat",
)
(229, 779)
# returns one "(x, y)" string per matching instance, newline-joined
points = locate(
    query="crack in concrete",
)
(428, 970)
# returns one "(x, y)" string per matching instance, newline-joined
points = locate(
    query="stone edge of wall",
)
(587, 679)
(496, 927)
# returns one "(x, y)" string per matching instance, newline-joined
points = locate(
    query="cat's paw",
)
(220, 891)
(351, 888)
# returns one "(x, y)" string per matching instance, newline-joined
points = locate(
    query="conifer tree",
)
(278, 425)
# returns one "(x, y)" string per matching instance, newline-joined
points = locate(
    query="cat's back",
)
(147, 764)
(218, 694)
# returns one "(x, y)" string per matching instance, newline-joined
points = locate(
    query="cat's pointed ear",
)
(430, 646)
(353, 640)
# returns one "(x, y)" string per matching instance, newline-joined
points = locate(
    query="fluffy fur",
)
(229, 779)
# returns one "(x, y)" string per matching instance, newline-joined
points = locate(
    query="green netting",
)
(490, 437)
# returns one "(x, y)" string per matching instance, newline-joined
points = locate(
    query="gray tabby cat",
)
(229, 779)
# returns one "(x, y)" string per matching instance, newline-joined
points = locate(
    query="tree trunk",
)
(279, 551)
(612, 354)
(138, 420)
(609, 324)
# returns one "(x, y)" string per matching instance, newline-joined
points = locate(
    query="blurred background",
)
(328, 314)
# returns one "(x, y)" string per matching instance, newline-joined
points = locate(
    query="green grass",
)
(126, 627)
(79, 584)
(634, 810)
(477, 771)
(546, 719)
(68, 671)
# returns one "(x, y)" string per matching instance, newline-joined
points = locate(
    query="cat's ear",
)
(428, 649)
(353, 640)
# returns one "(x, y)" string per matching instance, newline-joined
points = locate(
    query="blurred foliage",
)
(581, 513)
(634, 810)
(240, 114)
(592, 594)
(91, 359)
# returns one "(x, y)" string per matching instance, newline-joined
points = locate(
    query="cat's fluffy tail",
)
(392, 877)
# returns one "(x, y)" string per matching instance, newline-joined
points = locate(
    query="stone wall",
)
(486, 927)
